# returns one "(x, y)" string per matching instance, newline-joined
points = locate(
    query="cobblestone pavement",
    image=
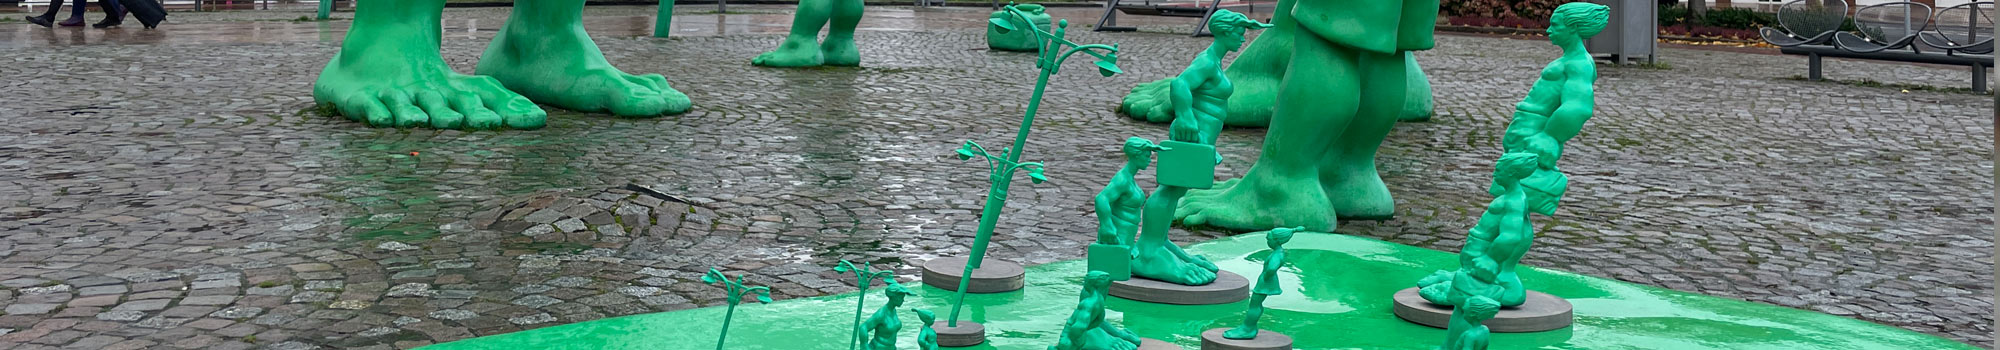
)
(181, 194)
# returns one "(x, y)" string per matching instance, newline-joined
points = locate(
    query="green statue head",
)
(1279, 236)
(896, 292)
(1095, 283)
(1573, 22)
(1139, 151)
(1481, 308)
(1511, 168)
(1229, 26)
(927, 316)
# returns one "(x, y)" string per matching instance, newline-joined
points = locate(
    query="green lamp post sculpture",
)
(863, 277)
(663, 20)
(736, 291)
(1054, 50)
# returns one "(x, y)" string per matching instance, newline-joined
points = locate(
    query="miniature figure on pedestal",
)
(389, 71)
(802, 47)
(1559, 103)
(1340, 96)
(1267, 283)
(864, 275)
(1118, 208)
(1201, 92)
(1086, 328)
(880, 329)
(1465, 331)
(927, 338)
(1500, 239)
(735, 292)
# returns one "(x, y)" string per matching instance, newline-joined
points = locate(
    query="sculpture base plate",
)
(1265, 340)
(1541, 312)
(1227, 288)
(993, 276)
(1156, 344)
(967, 333)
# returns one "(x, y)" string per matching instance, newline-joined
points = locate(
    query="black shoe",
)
(38, 20)
(107, 23)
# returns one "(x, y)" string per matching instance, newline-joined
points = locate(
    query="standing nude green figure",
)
(802, 47)
(389, 71)
(881, 327)
(1559, 103)
(1118, 205)
(1201, 92)
(1086, 328)
(1267, 283)
(1497, 243)
(1341, 94)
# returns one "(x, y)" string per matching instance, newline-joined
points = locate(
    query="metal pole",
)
(325, 9)
(663, 19)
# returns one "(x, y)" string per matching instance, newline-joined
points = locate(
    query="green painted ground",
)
(1337, 292)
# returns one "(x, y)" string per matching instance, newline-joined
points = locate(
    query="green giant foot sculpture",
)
(802, 47)
(389, 73)
(1339, 98)
(544, 54)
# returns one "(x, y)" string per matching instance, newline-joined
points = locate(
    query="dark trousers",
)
(111, 8)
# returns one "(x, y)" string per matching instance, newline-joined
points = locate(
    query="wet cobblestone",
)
(179, 195)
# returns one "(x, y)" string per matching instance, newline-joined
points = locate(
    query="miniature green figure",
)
(1267, 283)
(736, 291)
(1497, 243)
(802, 47)
(389, 71)
(927, 338)
(1343, 91)
(1466, 330)
(1559, 103)
(1015, 40)
(1201, 92)
(1154, 256)
(1086, 328)
(1257, 73)
(882, 327)
(1119, 203)
(1056, 49)
(864, 275)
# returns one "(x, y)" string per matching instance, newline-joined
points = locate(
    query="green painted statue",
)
(1344, 88)
(1118, 205)
(881, 328)
(1497, 243)
(1466, 329)
(802, 47)
(927, 338)
(1267, 284)
(1086, 328)
(389, 72)
(1559, 103)
(1257, 74)
(1201, 92)
(1018, 40)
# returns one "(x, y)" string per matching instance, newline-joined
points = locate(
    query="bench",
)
(1813, 54)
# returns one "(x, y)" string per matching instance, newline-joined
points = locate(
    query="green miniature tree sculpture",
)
(1344, 88)
(863, 277)
(1267, 283)
(802, 47)
(927, 338)
(1500, 239)
(1055, 50)
(1118, 208)
(663, 19)
(1086, 328)
(881, 328)
(736, 291)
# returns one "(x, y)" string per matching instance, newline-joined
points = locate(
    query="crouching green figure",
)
(1086, 328)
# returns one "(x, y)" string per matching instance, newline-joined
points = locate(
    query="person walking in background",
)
(48, 17)
(114, 14)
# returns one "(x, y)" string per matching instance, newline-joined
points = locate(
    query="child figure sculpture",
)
(882, 326)
(1497, 243)
(927, 338)
(1267, 283)
(1466, 331)
(1086, 328)
(802, 47)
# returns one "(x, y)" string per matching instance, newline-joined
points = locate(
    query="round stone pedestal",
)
(1541, 312)
(1227, 288)
(1156, 344)
(967, 333)
(1265, 340)
(993, 276)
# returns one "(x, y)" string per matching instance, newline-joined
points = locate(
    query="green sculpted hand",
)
(389, 73)
(802, 48)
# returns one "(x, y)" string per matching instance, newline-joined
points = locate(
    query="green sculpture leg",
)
(1283, 188)
(1249, 328)
(1155, 256)
(838, 48)
(802, 47)
(1418, 105)
(389, 73)
(544, 54)
(1353, 185)
(1256, 73)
